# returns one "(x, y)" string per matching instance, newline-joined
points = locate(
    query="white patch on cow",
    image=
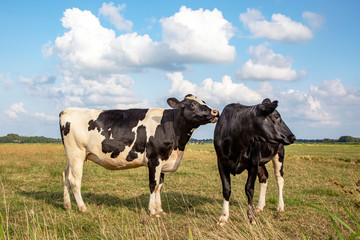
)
(171, 165)
(280, 182)
(261, 203)
(196, 99)
(224, 214)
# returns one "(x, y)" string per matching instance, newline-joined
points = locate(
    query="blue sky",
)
(126, 54)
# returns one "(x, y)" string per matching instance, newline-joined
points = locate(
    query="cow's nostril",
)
(214, 112)
(292, 138)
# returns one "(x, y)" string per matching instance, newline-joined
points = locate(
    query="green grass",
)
(319, 174)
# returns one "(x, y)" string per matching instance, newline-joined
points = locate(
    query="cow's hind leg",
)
(278, 170)
(263, 180)
(226, 186)
(72, 177)
(67, 201)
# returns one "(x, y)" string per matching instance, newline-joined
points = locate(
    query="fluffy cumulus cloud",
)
(280, 28)
(89, 47)
(329, 104)
(92, 56)
(15, 109)
(199, 35)
(113, 13)
(214, 93)
(264, 64)
(113, 91)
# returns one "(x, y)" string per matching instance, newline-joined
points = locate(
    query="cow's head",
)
(269, 125)
(195, 110)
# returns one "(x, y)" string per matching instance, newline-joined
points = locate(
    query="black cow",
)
(122, 139)
(238, 138)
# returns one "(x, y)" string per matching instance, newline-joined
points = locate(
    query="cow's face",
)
(270, 126)
(195, 110)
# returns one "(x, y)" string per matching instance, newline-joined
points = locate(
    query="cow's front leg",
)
(155, 187)
(158, 207)
(226, 185)
(263, 180)
(249, 190)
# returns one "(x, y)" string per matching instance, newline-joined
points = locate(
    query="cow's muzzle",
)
(291, 139)
(215, 114)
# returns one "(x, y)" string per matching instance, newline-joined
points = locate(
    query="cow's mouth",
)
(214, 119)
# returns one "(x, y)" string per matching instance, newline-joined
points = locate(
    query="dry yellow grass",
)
(31, 197)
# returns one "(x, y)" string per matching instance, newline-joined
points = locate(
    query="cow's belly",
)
(172, 164)
(119, 162)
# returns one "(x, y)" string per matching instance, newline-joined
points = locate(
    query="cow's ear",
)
(266, 100)
(267, 108)
(174, 103)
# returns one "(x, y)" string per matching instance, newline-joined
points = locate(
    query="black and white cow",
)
(276, 153)
(238, 138)
(122, 139)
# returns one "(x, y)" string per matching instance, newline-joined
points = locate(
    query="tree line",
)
(342, 139)
(15, 138)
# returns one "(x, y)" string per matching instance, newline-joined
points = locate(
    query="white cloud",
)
(267, 65)
(214, 93)
(105, 92)
(334, 92)
(329, 104)
(43, 116)
(315, 20)
(91, 55)
(200, 35)
(280, 28)
(6, 81)
(304, 107)
(89, 48)
(14, 110)
(109, 10)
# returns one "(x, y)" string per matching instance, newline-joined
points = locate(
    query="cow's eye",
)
(277, 116)
(192, 105)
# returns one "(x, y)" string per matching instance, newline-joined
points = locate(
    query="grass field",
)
(327, 176)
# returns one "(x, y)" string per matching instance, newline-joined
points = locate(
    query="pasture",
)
(31, 197)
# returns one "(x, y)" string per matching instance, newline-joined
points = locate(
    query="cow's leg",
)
(67, 201)
(72, 176)
(278, 167)
(263, 180)
(158, 207)
(249, 190)
(226, 186)
(154, 184)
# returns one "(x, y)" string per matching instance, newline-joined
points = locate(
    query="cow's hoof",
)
(221, 223)
(67, 206)
(163, 213)
(160, 213)
(258, 210)
(83, 209)
(280, 210)
(253, 222)
(223, 220)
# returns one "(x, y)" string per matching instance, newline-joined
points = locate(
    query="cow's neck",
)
(184, 130)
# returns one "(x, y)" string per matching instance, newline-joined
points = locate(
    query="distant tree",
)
(348, 139)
